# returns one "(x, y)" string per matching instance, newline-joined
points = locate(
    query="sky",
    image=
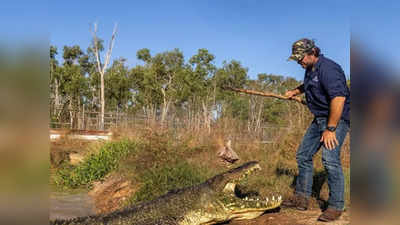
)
(257, 33)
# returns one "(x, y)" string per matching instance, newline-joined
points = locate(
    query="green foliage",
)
(232, 74)
(117, 86)
(165, 86)
(158, 181)
(200, 79)
(144, 55)
(96, 165)
(238, 108)
(72, 54)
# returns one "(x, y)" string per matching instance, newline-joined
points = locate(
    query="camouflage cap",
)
(300, 47)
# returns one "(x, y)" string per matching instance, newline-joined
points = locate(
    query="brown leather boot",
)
(296, 201)
(330, 214)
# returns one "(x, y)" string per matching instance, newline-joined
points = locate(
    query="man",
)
(328, 98)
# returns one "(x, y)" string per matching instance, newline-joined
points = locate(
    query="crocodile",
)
(214, 201)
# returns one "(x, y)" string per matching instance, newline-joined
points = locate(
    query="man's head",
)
(305, 53)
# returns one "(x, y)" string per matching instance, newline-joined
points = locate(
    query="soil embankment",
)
(293, 217)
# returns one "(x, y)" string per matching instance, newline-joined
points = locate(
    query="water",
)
(70, 205)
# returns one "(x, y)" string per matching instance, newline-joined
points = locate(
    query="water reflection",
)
(70, 205)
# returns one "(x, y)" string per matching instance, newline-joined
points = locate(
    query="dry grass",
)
(199, 148)
(161, 146)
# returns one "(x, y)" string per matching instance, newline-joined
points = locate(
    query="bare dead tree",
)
(102, 68)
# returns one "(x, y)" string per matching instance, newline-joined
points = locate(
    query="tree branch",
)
(96, 48)
(110, 47)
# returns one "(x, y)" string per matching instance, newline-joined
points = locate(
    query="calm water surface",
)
(70, 205)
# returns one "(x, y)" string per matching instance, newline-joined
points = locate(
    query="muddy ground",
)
(292, 217)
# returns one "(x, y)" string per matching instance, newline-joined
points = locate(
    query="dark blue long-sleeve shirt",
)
(322, 83)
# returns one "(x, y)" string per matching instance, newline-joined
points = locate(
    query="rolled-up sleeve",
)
(333, 81)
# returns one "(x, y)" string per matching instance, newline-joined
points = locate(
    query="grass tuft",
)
(158, 181)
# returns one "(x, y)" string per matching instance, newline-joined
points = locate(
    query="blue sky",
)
(257, 33)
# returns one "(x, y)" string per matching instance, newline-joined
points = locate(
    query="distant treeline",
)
(165, 86)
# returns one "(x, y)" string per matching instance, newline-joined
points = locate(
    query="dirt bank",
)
(292, 217)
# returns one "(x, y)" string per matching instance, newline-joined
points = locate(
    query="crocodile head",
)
(227, 203)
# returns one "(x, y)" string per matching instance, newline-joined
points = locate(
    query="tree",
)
(232, 74)
(167, 67)
(202, 84)
(146, 94)
(54, 82)
(73, 83)
(102, 67)
(161, 77)
(118, 86)
(165, 86)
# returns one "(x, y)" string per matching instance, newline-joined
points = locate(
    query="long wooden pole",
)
(265, 94)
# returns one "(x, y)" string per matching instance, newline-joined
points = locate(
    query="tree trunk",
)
(165, 106)
(258, 120)
(102, 103)
(78, 116)
(56, 99)
(71, 116)
(206, 117)
(250, 116)
(165, 109)
(102, 68)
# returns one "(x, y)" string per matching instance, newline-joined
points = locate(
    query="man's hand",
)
(291, 93)
(329, 139)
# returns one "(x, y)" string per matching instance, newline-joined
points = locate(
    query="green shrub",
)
(96, 165)
(158, 181)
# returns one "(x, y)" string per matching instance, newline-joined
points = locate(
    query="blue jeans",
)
(330, 159)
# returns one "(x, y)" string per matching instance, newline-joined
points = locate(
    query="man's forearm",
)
(335, 111)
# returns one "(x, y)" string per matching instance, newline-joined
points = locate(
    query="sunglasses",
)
(300, 60)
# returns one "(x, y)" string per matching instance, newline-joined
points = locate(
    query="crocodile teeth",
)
(273, 198)
(279, 198)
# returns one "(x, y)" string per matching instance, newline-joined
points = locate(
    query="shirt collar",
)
(318, 64)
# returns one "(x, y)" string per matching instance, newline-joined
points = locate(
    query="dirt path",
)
(292, 217)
